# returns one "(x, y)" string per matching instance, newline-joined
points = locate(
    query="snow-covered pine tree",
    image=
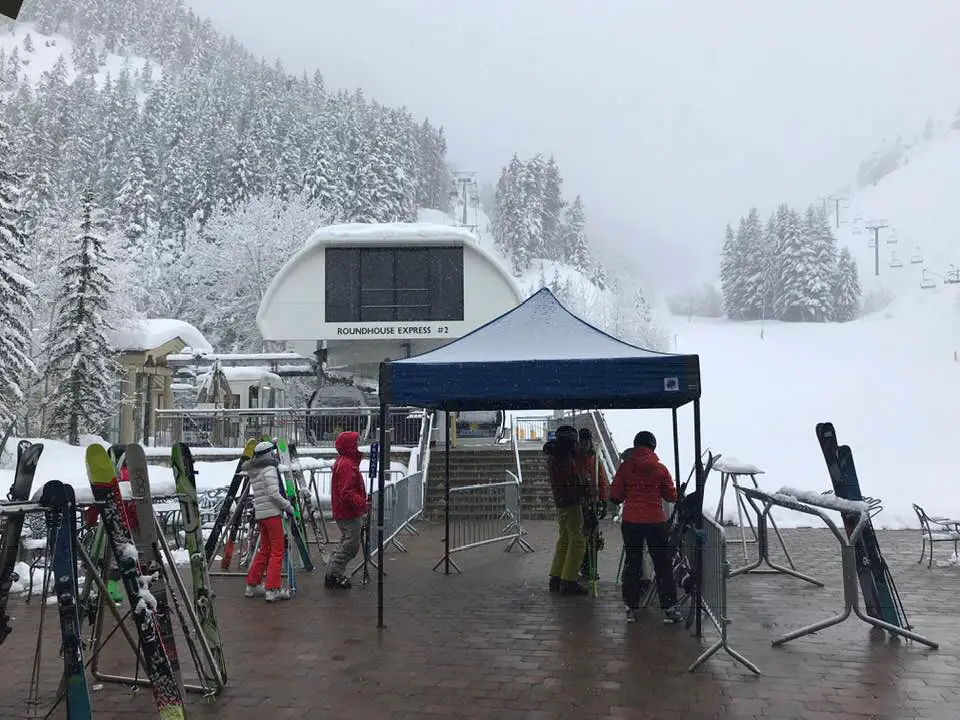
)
(135, 204)
(553, 207)
(755, 268)
(80, 371)
(575, 243)
(731, 277)
(846, 288)
(798, 300)
(824, 246)
(16, 368)
(533, 203)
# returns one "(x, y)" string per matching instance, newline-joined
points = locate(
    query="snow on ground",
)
(64, 462)
(47, 49)
(888, 382)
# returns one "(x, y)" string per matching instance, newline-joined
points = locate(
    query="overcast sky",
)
(670, 118)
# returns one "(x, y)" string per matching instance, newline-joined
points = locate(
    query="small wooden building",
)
(145, 379)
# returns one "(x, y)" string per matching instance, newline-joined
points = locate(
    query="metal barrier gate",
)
(482, 514)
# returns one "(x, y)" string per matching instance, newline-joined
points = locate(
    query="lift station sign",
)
(388, 331)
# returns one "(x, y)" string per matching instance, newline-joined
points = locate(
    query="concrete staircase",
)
(487, 464)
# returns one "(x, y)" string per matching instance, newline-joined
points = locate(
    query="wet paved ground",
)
(492, 643)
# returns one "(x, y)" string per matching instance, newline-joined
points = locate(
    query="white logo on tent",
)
(671, 384)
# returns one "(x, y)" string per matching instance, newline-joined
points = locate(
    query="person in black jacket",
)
(569, 494)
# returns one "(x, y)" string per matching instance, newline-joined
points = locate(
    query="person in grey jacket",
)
(268, 504)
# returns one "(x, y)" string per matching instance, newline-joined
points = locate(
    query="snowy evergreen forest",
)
(788, 269)
(531, 219)
(171, 189)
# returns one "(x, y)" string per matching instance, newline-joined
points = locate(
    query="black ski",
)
(61, 517)
(829, 445)
(27, 457)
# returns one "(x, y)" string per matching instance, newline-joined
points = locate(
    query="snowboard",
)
(185, 477)
(27, 456)
(61, 519)
(106, 491)
(148, 548)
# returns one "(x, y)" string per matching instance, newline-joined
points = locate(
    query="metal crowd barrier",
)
(530, 429)
(482, 514)
(713, 590)
(402, 503)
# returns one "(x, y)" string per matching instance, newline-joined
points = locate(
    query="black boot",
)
(554, 583)
(572, 587)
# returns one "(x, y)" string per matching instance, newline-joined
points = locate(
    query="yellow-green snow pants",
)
(571, 544)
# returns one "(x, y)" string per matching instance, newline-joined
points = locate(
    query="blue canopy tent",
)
(538, 355)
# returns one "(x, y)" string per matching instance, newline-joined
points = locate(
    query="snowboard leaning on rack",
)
(61, 519)
(106, 491)
(185, 477)
(27, 456)
(876, 583)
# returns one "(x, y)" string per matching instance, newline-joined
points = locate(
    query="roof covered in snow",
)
(246, 374)
(400, 233)
(147, 334)
(540, 355)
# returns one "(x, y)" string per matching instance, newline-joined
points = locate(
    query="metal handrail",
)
(516, 452)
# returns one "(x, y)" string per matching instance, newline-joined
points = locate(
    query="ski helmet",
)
(263, 448)
(646, 439)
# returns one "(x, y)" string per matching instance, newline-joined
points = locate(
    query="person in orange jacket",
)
(350, 504)
(642, 483)
(598, 494)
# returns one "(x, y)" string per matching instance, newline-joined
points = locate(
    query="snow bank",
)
(153, 332)
(64, 462)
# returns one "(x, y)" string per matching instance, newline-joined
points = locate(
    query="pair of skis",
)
(880, 594)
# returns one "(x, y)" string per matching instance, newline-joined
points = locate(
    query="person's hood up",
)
(348, 445)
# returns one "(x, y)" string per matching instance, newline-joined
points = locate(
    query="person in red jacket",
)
(348, 498)
(642, 483)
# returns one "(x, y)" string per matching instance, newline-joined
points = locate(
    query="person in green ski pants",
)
(569, 494)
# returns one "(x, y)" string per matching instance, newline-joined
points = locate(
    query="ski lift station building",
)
(361, 293)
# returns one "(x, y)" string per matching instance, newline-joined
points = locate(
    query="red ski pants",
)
(269, 558)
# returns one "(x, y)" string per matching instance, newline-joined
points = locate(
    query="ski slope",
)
(918, 202)
(889, 383)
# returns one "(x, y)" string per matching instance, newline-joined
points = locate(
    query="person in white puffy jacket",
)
(268, 504)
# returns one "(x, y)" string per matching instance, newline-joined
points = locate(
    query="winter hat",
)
(566, 436)
(263, 447)
(645, 438)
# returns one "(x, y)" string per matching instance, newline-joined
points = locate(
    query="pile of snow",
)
(64, 462)
(881, 380)
(147, 334)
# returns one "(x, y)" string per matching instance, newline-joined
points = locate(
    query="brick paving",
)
(492, 643)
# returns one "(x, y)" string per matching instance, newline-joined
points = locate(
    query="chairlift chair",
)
(917, 257)
(926, 283)
(895, 262)
(892, 239)
(951, 276)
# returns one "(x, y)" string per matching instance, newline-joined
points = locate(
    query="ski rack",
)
(181, 605)
(851, 590)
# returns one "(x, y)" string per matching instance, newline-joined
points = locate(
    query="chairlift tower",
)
(466, 188)
(875, 228)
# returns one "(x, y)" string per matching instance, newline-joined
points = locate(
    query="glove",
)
(590, 521)
(601, 510)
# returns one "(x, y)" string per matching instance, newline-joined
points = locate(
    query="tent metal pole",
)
(701, 481)
(446, 498)
(676, 446)
(384, 466)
